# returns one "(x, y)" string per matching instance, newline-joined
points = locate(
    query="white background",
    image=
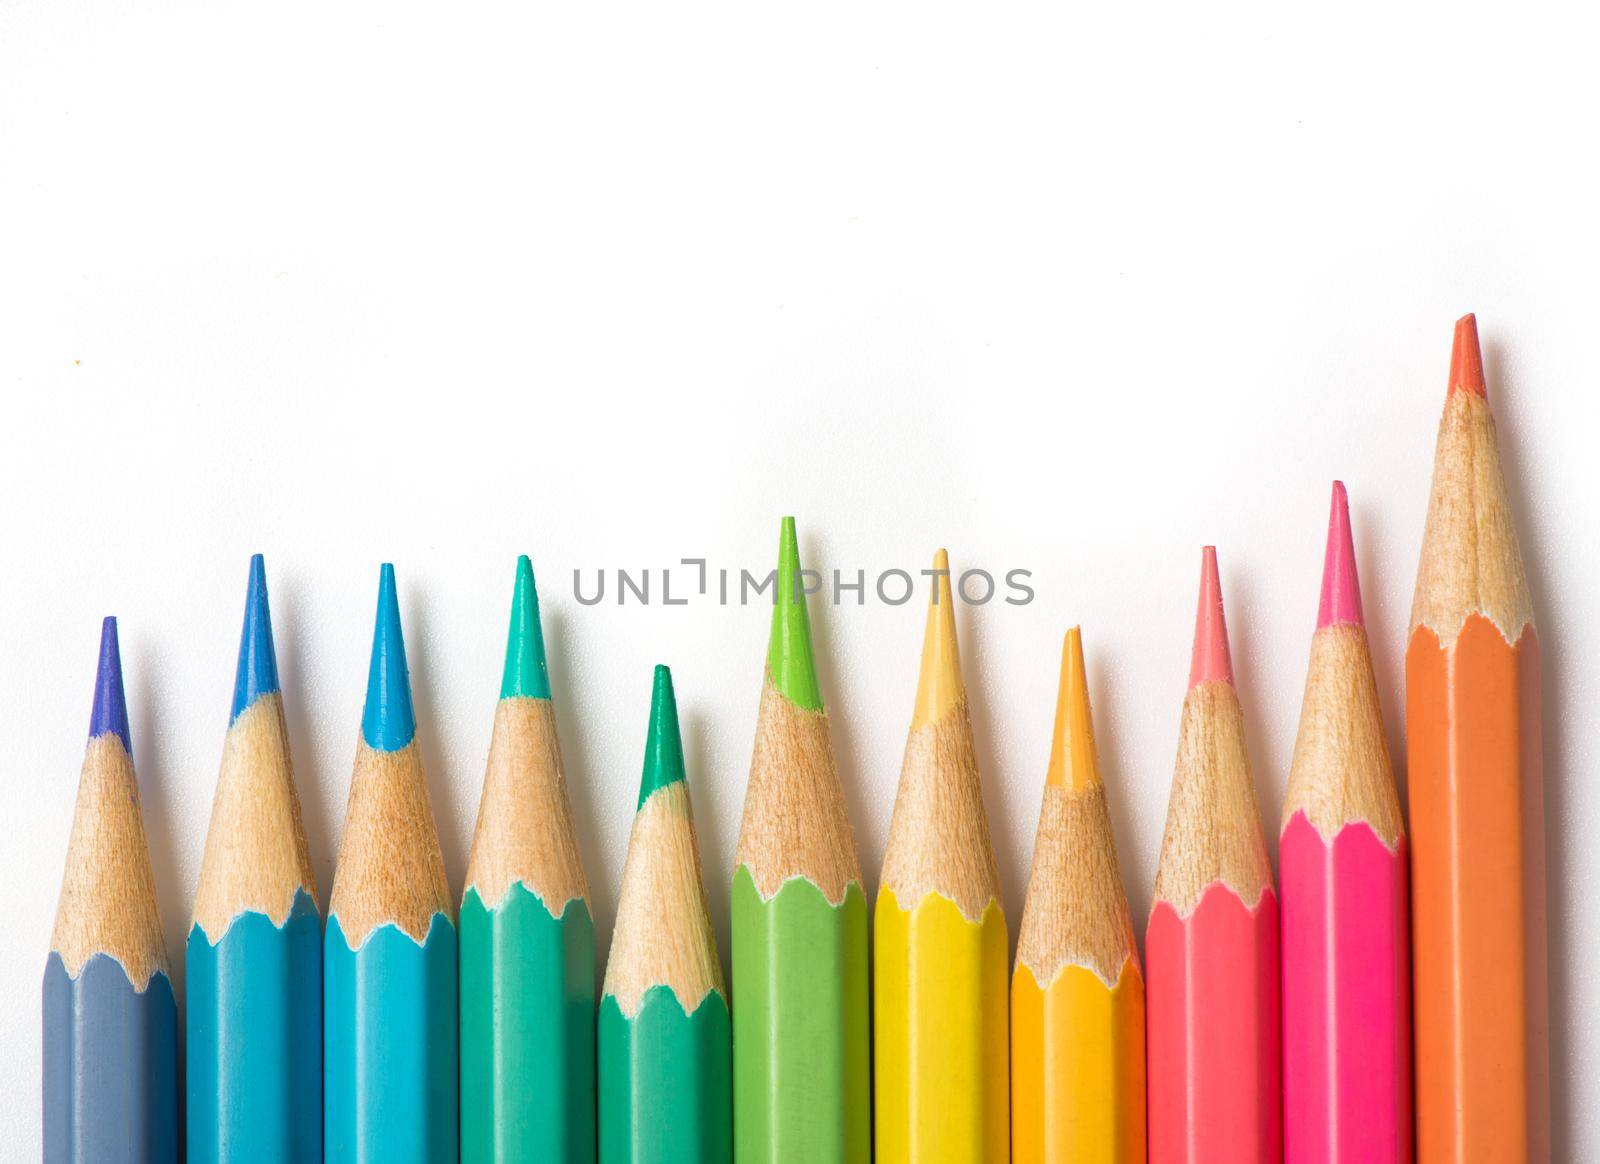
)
(1071, 292)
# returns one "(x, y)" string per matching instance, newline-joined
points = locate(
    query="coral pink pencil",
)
(1346, 941)
(1211, 952)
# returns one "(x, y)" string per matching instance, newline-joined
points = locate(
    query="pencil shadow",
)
(156, 808)
(1105, 701)
(985, 740)
(841, 727)
(708, 823)
(309, 769)
(161, 834)
(1561, 867)
(420, 665)
(1367, 520)
(1268, 770)
(581, 781)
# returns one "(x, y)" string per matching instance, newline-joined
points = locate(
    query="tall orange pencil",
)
(1346, 935)
(940, 1010)
(1211, 952)
(1477, 805)
(1077, 997)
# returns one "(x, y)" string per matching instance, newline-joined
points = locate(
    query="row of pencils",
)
(1391, 979)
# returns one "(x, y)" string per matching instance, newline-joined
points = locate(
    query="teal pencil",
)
(527, 941)
(254, 957)
(389, 1000)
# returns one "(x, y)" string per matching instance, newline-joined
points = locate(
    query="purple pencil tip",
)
(110, 712)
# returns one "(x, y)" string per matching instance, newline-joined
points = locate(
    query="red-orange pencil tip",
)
(1211, 661)
(1466, 359)
(1341, 590)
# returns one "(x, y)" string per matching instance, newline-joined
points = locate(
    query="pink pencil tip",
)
(1341, 588)
(1466, 359)
(1211, 661)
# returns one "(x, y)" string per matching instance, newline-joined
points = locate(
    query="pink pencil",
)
(1211, 952)
(1346, 965)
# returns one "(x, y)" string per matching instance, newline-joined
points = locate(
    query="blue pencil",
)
(389, 968)
(254, 1080)
(110, 1021)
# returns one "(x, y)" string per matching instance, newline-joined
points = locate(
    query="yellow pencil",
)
(1077, 999)
(940, 1008)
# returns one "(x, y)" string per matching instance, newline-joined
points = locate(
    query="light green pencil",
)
(801, 1079)
(527, 941)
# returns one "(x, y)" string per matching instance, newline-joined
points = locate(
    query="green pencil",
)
(800, 1021)
(665, 1087)
(527, 940)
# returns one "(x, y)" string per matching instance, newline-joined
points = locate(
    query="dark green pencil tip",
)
(663, 747)
(525, 672)
(789, 658)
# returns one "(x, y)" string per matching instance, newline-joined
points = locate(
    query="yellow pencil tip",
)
(939, 689)
(1073, 764)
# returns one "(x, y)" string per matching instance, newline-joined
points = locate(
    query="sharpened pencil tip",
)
(1210, 661)
(257, 673)
(1341, 589)
(663, 745)
(110, 712)
(789, 658)
(1466, 359)
(388, 722)
(939, 687)
(525, 671)
(1073, 764)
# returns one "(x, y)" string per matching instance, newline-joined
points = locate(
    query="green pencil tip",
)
(525, 672)
(663, 747)
(789, 658)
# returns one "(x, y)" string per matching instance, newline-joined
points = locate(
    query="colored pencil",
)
(389, 962)
(527, 940)
(665, 1059)
(1346, 933)
(1077, 997)
(801, 1074)
(110, 1021)
(940, 993)
(1477, 805)
(254, 958)
(1211, 951)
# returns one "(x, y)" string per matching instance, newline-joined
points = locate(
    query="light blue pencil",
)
(389, 1001)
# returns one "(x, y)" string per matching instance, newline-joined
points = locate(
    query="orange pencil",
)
(1077, 997)
(1477, 805)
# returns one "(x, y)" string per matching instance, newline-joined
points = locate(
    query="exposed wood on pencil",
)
(524, 830)
(1076, 912)
(939, 833)
(390, 867)
(663, 934)
(256, 856)
(1213, 829)
(794, 816)
(1471, 562)
(108, 893)
(1340, 772)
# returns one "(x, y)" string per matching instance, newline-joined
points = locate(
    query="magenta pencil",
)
(1346, 963)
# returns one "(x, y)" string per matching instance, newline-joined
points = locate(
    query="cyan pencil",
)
(254, 959)
(389, 961)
